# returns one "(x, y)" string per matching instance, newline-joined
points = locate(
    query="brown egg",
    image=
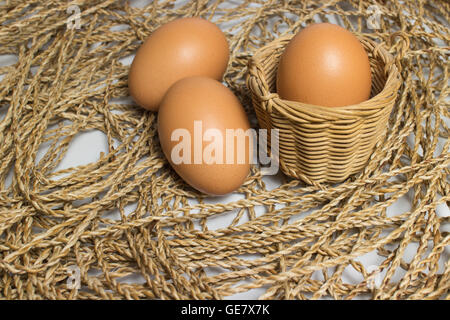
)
(181, 48)
(195, 126)
(325, 65)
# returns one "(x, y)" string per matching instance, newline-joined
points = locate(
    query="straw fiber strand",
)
(127, 215)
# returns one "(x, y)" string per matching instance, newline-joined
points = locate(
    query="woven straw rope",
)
(294, 241)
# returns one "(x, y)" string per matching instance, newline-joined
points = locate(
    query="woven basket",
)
(323, 144)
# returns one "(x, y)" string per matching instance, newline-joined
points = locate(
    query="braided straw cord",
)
(128, 215)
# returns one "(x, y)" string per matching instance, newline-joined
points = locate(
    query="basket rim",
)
(288, 107)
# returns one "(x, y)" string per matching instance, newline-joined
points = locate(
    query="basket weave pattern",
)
(320, 144)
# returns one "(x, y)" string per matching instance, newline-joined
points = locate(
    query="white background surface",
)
(86, 148)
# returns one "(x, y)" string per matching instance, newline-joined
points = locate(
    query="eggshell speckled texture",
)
(206, 100)
(325, 65)
(178, 49)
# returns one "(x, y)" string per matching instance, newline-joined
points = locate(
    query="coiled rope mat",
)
(294, 241)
